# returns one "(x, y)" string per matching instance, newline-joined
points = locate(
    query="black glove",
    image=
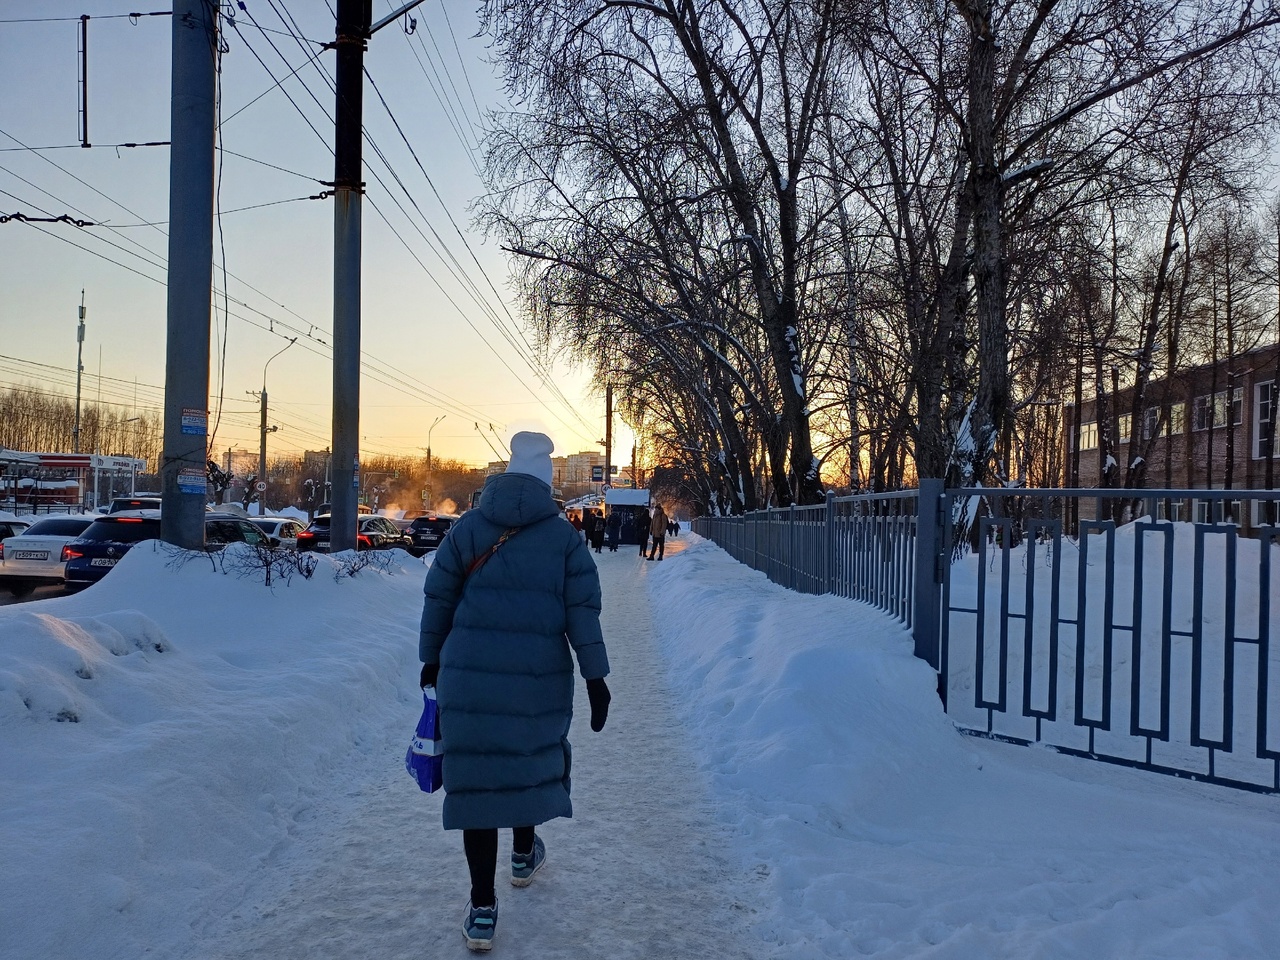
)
(429, 673)
(598, 694)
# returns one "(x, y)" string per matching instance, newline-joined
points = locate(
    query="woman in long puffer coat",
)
(512, 595)
(613, 530)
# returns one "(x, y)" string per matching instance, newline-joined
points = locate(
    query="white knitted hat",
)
(531, 454)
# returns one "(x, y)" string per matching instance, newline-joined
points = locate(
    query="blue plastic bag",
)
(425, 758)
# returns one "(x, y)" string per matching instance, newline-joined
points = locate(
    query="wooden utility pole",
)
(608, 431)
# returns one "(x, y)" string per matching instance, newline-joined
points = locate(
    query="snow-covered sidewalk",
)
(195, 766)
(639, 872)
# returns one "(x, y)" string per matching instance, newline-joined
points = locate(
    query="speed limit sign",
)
(260, 486)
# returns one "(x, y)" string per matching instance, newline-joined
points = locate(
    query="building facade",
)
(1208, 427)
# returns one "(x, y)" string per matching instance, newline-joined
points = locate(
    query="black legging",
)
(481, 847)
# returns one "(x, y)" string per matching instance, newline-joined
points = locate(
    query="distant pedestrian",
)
(658, 528)
(595, 530)
(642, 521)
(495, 641)
(613, 530)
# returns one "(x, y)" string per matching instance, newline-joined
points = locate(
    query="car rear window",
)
(134, 503)
(431, 523)
(320, 523)
(59, 526)
(123, 531)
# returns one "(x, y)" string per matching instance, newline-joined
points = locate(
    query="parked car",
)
(328, 508)
(136, 502)
(427, 531)
(35, 556)
(284, 529)
(372, 533)
(11, 528)
(91, 556)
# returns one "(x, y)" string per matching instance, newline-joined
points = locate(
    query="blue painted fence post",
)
(926, 614)
(829, 546)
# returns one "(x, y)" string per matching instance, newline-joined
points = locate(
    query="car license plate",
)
(31, 554)
(102, 562)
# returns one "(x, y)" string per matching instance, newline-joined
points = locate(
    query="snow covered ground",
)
(197, 766)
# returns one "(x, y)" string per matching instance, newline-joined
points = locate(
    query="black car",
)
(427, 531)
(372, 533)
(91, 556)
(141, 501)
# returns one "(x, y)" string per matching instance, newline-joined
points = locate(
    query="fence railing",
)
(1090, 620)
(861, 547)
(24, 508)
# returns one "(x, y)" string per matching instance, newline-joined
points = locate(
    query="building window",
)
(1177, 419)
(1265, 395)
(1125, 424)
(1217, 511)
(1201, 413)
(1216, 408)
(1089, 436)
(1153, 425)
(1265, 512)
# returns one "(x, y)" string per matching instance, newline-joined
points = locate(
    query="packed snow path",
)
(639, 872)
(197, 767)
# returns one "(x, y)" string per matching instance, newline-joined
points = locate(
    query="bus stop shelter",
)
(628, 502)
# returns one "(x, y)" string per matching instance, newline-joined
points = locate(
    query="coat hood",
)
(516, 500)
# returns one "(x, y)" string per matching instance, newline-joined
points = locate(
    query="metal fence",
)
(861, 547)
(1088, 620)
(24, 508)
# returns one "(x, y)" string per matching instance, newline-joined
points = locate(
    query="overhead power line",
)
(458, 274)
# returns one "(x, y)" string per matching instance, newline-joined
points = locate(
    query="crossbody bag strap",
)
(480, 560)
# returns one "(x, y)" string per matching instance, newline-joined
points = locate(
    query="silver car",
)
(35, 556)
(283, 529)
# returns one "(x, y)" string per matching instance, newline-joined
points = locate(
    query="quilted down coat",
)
(503, 644)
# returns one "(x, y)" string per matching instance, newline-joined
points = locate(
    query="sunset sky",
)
(442, 334)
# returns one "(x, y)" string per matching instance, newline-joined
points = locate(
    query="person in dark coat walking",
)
(596, 530)
(511, 597)
(642, 521)
(613, 530)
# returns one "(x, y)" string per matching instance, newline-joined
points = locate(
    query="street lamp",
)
(262, 439)
(429, 429)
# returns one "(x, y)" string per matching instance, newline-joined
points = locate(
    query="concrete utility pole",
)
(349, 43)
(75, 433)
(190, 282)
(354, 28)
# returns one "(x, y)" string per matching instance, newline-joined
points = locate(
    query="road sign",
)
(605, 488)
(260, 486)
(597, 473)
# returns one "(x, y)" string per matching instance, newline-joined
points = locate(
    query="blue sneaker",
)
(525, 865)
(479, 926)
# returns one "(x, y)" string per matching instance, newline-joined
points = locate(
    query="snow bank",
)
(880, 830)
(153, 759)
